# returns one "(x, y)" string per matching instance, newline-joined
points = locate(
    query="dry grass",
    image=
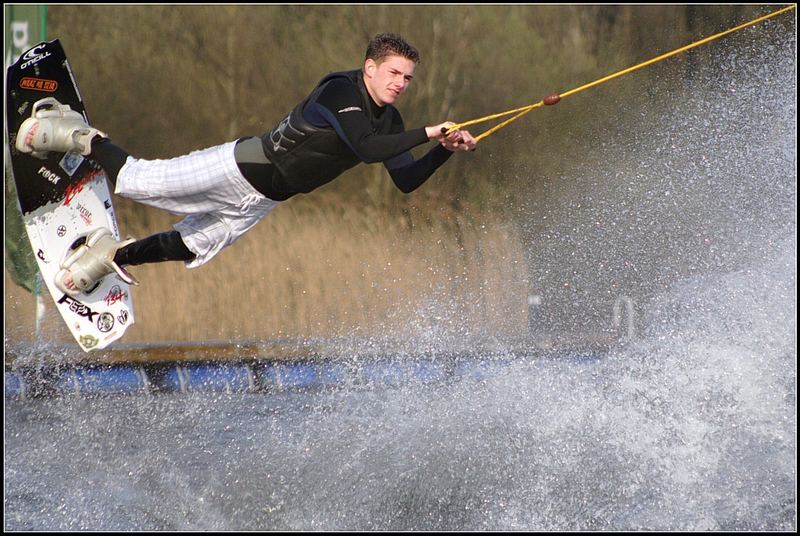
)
(316, 268)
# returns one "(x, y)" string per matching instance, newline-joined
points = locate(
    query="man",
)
(225, 190)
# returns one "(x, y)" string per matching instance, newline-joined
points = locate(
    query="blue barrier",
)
(480, 370)
(429, 371)
(277, 376)
(261, 376)
(208, 377)
(14, 385)
(384, 373)
(101, 381)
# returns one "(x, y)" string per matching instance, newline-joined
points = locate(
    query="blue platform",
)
(256, 376)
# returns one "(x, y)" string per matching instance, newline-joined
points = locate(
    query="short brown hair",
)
(387, 44)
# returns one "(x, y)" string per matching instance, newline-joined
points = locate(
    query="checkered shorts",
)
(207, 186)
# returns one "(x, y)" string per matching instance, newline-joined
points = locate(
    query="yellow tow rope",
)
(556, 97)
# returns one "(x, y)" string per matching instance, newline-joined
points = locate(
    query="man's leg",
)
(161, 247)
(207, 186)
(111, 157)
(54, 127)
(166, 246)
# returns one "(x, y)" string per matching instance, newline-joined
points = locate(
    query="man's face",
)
(387, 80)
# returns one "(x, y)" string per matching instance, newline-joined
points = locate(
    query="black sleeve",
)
(409, 174)
(339, 105)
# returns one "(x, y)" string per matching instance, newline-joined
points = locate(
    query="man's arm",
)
(409, 174)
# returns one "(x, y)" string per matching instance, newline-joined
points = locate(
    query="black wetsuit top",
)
(370, 136)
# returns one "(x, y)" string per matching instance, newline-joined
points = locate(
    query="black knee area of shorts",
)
(167, 246)
(110, 157)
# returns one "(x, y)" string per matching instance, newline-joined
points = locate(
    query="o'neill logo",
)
(33, 56)
(38, 84)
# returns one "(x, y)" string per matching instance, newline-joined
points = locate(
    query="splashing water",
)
(680, 431)
(689, 426)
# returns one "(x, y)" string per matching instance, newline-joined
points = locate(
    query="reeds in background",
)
(319, 267)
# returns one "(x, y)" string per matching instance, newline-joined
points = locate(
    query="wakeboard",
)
(63, 197)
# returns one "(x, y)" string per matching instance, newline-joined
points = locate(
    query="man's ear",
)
(369, 67)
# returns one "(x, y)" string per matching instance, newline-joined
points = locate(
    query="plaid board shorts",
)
(206, 186)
